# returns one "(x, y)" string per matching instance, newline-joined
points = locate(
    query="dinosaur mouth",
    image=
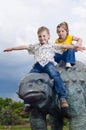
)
(34, 96)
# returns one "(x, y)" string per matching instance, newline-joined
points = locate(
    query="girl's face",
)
(62, 33)
(43, 37)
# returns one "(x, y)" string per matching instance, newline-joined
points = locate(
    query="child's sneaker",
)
(26, 110)
(68, 65)
(63, 103)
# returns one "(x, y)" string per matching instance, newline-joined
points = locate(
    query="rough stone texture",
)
(75, 80)
(37, 89)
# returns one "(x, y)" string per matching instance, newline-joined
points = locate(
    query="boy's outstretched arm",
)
(76, 47)
(22, 47)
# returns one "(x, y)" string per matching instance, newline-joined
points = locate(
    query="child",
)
(68, 55)
(44, 61)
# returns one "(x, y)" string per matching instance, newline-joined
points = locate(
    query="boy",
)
(44, 61)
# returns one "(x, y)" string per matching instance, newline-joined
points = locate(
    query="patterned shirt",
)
(44, 53)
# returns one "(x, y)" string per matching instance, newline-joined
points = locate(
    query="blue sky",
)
(19, 21)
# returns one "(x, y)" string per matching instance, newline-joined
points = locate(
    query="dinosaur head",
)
(35, 88)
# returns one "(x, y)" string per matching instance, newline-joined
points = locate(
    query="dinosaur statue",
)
(38, 90)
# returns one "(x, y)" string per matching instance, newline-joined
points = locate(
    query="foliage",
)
(10, 111)
(10, 116)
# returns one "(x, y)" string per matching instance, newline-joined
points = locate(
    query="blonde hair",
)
(42, 28)
(63, 25)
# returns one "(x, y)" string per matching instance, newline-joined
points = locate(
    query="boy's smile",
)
(43, 37)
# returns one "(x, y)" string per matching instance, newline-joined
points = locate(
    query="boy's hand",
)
(80, 48)
(8, 49)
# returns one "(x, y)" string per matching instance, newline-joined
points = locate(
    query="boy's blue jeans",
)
(66, 56)
(54, 74)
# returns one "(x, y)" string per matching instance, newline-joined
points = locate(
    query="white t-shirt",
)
(44, 53)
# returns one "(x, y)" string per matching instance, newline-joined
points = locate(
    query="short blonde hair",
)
(63, 25)
(43, 28)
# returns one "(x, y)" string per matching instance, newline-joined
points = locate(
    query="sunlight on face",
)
(61, 33)
(43, 37)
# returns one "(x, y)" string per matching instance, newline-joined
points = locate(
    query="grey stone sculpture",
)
(38, 90)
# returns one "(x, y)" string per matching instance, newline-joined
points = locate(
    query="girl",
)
(68, 55)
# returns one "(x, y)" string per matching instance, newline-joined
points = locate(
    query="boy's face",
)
(43, 37)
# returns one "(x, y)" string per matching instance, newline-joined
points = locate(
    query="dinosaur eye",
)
(39, 81)
(29, 84)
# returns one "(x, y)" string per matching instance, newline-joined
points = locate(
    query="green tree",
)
(9, 118)
(10, 111)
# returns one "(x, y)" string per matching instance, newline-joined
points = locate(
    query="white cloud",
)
(78, 29)
(80, 56)
(20, 19)
(13, 96)
(17, 21)
(80, 11)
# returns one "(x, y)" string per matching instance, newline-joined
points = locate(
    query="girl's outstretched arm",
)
(21, 47)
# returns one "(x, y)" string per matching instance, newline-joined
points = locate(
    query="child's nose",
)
(42, 37)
